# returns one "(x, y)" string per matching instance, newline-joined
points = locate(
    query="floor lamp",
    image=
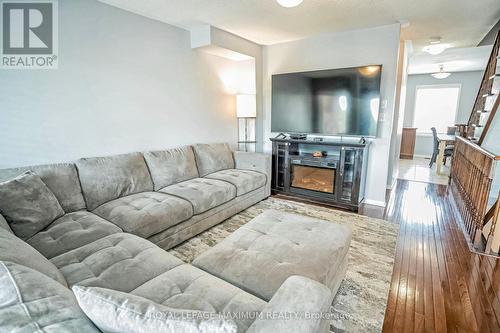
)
(246, 112)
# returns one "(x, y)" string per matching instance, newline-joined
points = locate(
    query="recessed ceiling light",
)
(435, 47)
(441, 74)
(289, 3)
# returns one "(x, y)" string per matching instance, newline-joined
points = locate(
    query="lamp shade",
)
(246, 106)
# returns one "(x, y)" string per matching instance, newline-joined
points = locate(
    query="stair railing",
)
(492, 217)
(471, 175)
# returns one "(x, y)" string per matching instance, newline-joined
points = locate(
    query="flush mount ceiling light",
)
(441, 74)
(435, 47)
(289, 3)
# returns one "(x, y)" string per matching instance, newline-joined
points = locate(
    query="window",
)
(435, 106)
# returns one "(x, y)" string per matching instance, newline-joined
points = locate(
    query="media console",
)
(337, 177)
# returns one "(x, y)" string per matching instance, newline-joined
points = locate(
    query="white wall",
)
(405, 48)
(492, 144)
(125, 83)
(337, 50)
(469, 82)
(237, 44)
(492, 139)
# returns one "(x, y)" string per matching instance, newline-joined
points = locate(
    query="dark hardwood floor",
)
(437, 285)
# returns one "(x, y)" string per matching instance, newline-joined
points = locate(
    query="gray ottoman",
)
(262, 254)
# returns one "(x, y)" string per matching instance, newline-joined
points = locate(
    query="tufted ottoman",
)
(262, 254)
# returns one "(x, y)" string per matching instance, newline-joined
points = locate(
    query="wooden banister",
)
(471, 178)
(492, 215)
(481, 116)
(489, 121)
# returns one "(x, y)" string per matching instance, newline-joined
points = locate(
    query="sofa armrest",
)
(299, 305)
(255, 161)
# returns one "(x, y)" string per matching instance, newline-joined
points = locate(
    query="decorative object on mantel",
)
(318, 154)
(246, 112)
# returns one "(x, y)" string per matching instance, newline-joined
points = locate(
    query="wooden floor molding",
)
(438, 285)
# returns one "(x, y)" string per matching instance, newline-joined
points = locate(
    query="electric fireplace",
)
(336, 178)
(313, 178)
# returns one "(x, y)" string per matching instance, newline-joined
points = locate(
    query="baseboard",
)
(394, 181)
(374, 202)
(422, 156)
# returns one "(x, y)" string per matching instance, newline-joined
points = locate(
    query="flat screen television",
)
(327, 102)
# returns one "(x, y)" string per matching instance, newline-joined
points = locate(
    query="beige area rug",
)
(362, 298)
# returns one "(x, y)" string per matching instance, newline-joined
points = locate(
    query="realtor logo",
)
(29, 34)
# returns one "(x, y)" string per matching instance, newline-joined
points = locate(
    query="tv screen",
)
(328, 102)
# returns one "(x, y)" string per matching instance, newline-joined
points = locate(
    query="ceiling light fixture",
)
(289, 3)
(435, 47)
(441, 74)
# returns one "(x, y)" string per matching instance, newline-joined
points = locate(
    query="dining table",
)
(444, 140)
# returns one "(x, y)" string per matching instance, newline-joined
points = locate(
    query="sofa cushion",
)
(4, 224)
(171, 166)
(145, 214)
(190, 288)
(107, 178)
(120, 261)
(244, 180)
(213, 157)
(15, 250)
(309, 302)
(28, 204)
(70, 232)
(62, 179)
(203, 193)
(32, 302)
(115, 311)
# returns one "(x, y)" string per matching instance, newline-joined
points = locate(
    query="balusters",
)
(471, 178)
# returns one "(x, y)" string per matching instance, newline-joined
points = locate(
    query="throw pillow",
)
(28, 204)
(114, 312)
(32, 302)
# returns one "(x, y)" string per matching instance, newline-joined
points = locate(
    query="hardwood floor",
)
(437, 285)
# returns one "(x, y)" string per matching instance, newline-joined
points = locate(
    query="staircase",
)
(487, 101)
(491, 237)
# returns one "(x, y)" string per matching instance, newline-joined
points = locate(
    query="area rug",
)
(362, 298)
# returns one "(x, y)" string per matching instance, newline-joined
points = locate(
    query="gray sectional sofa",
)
(115, 217)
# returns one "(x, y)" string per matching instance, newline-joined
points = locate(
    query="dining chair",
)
(448, 151)
(451, 130)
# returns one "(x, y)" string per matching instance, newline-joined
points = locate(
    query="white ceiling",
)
(453, 60)
(461, 23)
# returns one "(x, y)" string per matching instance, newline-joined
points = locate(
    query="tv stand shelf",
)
(337, 178)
